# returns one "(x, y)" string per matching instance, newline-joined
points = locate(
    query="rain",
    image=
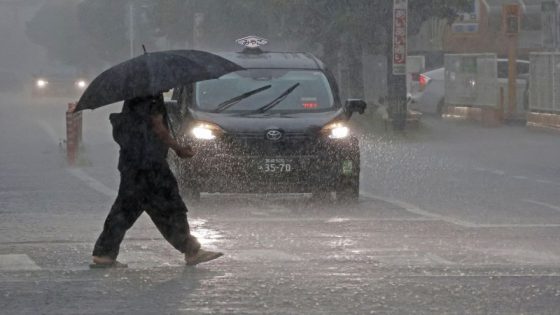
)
(335, 157)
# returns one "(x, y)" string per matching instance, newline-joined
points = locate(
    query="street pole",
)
(396, 76)
(511, 13)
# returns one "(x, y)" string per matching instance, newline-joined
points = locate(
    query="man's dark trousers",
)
(152, 190)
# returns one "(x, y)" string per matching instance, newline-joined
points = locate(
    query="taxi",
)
(278, 126)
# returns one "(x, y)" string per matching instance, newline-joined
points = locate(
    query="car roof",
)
(274, 60)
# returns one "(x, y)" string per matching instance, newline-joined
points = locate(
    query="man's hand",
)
(184, 152)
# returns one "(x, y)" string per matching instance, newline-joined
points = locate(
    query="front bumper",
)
(300, 168)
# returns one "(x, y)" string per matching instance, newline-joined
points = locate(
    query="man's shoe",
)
(201, 256)
(106, 262)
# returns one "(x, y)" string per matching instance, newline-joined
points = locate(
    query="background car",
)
(59, 82)
(431, 95)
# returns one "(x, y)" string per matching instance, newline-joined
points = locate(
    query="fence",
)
(73, 133)
(471, 80)
(544, 83)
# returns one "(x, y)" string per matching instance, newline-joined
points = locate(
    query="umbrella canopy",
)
(153, 73)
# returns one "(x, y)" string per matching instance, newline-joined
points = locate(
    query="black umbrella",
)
(151, 74)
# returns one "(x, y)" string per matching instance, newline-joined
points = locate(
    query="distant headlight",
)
(81, 84)
(337, 130)
(41, 83)
(205, 131)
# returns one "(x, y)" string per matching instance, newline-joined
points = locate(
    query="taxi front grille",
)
(256, 144)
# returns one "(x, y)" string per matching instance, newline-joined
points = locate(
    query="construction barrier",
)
(73, 133)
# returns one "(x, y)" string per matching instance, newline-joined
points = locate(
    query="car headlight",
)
(337, 130)
(205, 131)
(81, 84)
(41, 83)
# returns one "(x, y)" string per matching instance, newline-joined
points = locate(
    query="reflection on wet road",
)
(443, 226)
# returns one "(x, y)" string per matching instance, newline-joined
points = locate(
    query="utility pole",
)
(396, 75)
(511, 18)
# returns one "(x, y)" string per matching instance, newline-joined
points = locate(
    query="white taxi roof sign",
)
(252, 41)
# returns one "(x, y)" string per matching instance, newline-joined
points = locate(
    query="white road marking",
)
(253, 255)
(416, 210)
(78, 173)
(521, 177)
(438, 259)
(92, 182)
(538, 275)
(318, 219)
(498, 172)
(547, 182)
(50, 131)
(495, 172)
(17, 262)
(544, 204)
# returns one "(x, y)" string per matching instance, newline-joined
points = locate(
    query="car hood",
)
(292, 122)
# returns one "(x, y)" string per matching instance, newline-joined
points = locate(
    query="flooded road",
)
(453, 218)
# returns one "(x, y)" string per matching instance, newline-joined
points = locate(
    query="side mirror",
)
(355, 106)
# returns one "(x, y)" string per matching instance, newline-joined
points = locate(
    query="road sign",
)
(400, 20)
(468, 20)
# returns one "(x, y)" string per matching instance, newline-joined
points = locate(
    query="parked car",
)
(431, 95)
(276, 127)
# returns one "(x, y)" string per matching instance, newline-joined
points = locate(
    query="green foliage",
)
(91, 31)
(103, 22)
(367, 21)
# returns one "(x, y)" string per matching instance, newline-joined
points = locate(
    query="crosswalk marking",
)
(17, 262)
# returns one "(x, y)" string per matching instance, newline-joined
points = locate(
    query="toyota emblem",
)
(274, 135)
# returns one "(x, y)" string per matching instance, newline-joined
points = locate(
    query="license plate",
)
(276, 166)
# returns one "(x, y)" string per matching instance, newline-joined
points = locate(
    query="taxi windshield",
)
(313, 92)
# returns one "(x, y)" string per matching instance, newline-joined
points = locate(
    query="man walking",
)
(147, 184)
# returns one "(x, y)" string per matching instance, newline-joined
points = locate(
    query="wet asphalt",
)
(453, 218)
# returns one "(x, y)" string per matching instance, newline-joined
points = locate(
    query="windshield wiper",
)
(232, 101)
(276, 101)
